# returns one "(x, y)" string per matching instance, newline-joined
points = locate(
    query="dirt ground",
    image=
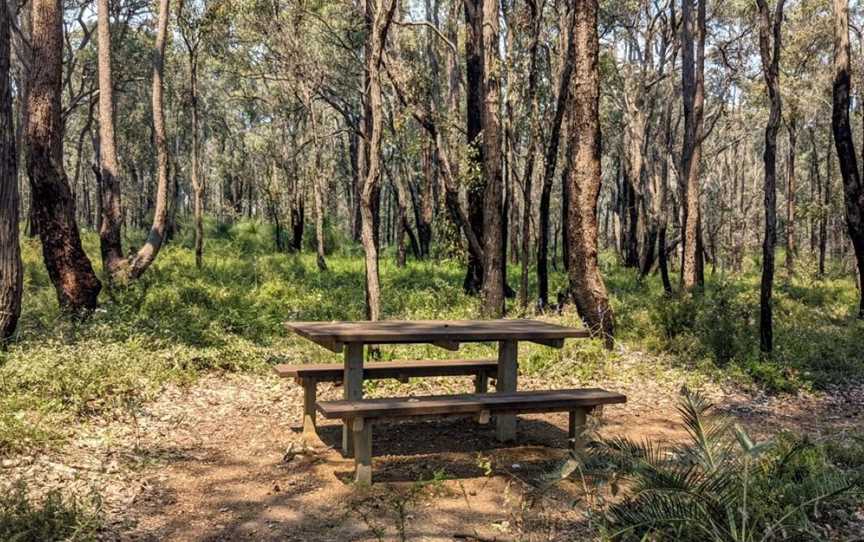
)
(209, 462)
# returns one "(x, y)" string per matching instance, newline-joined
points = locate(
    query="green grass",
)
(54, 517)
(178, 322)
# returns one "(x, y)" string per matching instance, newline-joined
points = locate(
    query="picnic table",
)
(351, 338)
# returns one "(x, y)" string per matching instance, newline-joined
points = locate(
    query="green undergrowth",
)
(56, 516)
(817, 336)
(178, 322)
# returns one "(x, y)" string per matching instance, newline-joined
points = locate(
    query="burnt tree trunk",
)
(476, 185)
(769, 50)
(550, 162)
(11, 269)
(853, 191)
(586, 283)
(54, 210)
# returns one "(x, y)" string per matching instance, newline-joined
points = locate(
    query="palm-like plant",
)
(717, 486)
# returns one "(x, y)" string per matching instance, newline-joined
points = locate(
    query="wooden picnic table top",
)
(445, 333)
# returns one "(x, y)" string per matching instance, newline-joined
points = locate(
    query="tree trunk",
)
(378, 18)
(693, 91)
(67, 264)
(147, 253)
(11, 269)
(823, 211)
(111, 243)
(198, 186)
(769, 49)
(476, 180)
(493, 219)
(791, 247)
(853, 191)
(550, 162)
(586, 283)
(533, 75)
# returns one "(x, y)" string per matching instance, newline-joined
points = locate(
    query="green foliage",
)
(720, 485)
(55, 517)
(817, 336)
(178, 322)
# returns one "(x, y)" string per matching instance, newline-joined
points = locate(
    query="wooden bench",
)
(359, 414)
(309, 375)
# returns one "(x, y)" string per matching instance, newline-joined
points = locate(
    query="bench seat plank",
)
(391, 369)
(516, 402)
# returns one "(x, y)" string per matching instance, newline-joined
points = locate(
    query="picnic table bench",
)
(351, 338)
(360, 413)
(309, 375)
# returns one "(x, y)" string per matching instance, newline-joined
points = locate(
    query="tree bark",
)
(791, 246)
(769, 49)
(68, 266)
(148, 252)
(550, 163)
(853, 191)
(493, 211)
(111, 243)
(533, 75)
(11, 269)
(586, 283)
(693, 91)
(378, 19)
(476, 184)
(191, 34)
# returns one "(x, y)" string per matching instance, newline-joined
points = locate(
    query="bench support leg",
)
(576, 428)
(508, 368)
(353, 386)
(481, 382)
(362, 430)
(310, 431)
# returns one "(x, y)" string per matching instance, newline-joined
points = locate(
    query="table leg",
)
(508, 370)
(353, 383)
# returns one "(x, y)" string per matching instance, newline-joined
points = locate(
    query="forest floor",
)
(209, 462)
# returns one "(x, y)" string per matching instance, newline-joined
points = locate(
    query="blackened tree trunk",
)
(476, 185)
(110, 240)
(586, 283)
(853, 191)
(769, 50)
(11, 270)
(550, 162)
(54, 210)
(146, 255)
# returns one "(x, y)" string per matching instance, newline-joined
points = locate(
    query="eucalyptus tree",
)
(145, 256)
(853, 189)
(586, 282)
(769, 50)
(693, 36)
(68, 266)
(11, 268)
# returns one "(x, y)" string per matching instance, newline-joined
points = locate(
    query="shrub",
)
(720, 485)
